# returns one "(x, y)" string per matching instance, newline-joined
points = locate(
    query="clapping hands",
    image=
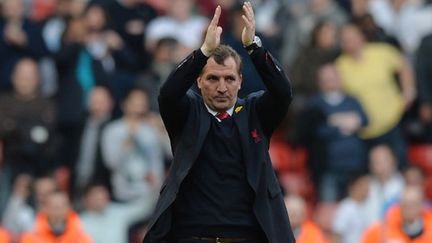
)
(213, 35)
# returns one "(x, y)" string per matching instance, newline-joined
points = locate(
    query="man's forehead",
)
(229, 64)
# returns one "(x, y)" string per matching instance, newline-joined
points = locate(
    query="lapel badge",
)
(238, 109)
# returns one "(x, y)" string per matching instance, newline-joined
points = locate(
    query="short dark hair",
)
(356, 176)
(222, 52)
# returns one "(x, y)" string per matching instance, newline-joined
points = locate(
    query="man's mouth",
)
(221, 98)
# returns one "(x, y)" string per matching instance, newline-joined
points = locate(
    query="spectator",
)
(301, 26)
(373, 32)
(351, 216)
(4, 236)
(336, 150)
(26, 126)
(130, 19)
(270, 21)
(56, 222)
(410, 222)
(52, 32)
(165, 57)
(368, 71)
(132, 151)
(414, 176)
(179, 23)
(90, 166)
(19, 37)
(424, 78)
(101, 214)
(406, 20)
(416, 223)
(386, 182)
(320, 50)
(43, 187)
(305, 231)
(19, 215)
(90, 55)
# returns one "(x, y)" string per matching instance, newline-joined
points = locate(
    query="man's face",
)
(220, 84)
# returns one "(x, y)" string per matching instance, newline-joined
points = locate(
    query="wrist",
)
(206, 51)
(253, 45)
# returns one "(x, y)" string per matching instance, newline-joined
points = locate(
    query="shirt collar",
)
(214, 113)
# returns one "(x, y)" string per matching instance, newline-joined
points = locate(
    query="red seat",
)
(428, 187)
(421, 155)
(287, 158)
(63, 177)
(298, 184)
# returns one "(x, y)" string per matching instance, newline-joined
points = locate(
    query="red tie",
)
(222, 115)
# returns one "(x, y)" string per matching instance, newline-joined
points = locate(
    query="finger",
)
(248, 23)
(219, 31)
(247, 7)
(214, 22)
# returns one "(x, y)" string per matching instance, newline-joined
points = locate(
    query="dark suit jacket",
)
(186, 119)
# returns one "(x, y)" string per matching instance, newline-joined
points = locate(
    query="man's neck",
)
(213, 112)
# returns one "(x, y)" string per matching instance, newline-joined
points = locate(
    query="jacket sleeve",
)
(173, 102)
(273, 105)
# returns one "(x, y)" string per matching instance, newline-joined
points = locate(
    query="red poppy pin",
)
(256, 137)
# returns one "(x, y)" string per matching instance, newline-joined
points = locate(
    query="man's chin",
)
(221, 107)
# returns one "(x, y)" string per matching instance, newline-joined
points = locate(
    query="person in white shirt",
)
(179, 23)
(386, 182)
(108, 222)
(133, 151)
(351, 218)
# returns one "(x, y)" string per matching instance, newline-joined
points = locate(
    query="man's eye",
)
(230, 79)
(212, 78)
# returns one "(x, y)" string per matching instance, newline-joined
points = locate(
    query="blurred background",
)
(84, 151)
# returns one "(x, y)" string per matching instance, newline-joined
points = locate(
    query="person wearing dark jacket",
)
(221, 186)
(19, 38)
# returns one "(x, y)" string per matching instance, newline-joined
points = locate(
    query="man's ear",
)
(199, 82)
(241, 81)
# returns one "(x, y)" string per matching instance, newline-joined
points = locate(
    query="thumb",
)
(219, 31)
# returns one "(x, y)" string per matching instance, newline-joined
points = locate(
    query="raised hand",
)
(213, 35)
(248, 32)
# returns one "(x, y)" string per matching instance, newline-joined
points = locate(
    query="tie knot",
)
(222, 115)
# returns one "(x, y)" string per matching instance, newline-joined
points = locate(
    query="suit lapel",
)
(241, 119)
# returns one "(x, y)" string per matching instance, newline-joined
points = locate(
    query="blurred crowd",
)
(84, 151)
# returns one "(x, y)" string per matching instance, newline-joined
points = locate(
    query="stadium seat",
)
(298, 183)
(421, 155)
(287, 158)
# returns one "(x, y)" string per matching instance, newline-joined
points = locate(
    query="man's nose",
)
(222, 88)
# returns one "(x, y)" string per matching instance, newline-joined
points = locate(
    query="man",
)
(56, 223)
(386, 184)
(221, 186)
(90, 166)
(336, 149)
(133, 152)
(19, 38)
(410, 221)
(27, 124)
(305, 230)
(99, 212)
(351, 218)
